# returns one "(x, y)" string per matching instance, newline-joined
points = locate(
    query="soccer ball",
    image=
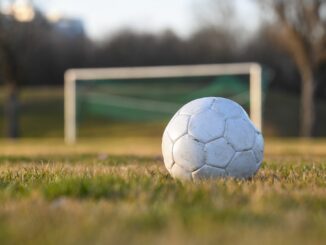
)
(209, 138)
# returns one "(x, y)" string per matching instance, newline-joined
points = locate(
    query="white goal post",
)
(254, 71)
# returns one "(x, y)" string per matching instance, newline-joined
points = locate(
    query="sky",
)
(105, 16)
(102, 17)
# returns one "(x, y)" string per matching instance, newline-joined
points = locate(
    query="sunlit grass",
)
(115, 189)
(91, 193)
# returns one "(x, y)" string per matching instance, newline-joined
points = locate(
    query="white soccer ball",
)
(212, 137)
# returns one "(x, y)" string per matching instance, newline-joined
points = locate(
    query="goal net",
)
(156, 93)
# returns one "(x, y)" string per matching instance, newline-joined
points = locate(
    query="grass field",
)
(118, 192)
(115, 190)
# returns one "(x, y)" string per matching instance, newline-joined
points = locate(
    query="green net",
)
(155, 98)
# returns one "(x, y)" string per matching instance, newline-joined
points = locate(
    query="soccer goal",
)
(146, 93)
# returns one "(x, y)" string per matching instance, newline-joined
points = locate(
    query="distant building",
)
(24, 11)
(69, 26)
(20, 10)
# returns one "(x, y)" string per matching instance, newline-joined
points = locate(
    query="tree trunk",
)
(12, 111)
(308, 114)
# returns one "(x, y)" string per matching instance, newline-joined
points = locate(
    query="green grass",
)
(115, 189)
(118, 192)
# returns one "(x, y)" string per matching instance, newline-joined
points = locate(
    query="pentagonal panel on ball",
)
(178, 172)
(188, 153)
(227, 107)
(167, 150)
(218, 153)
(196, 106)
(208, 172)
(206, 126)
(240, 134)
(243, 165)
(258, 148)
(178, 127)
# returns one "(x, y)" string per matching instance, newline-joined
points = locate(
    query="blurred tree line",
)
(36, 53)
(39, 53)
(300, 28)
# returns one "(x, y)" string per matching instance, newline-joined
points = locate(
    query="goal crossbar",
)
(71, 76)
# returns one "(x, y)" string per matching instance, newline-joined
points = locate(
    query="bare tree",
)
(8, 72)
(300, 28)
